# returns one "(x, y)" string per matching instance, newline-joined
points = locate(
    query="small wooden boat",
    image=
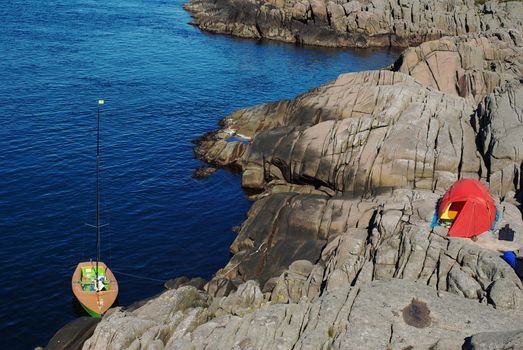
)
(95, 294)
(93, 283)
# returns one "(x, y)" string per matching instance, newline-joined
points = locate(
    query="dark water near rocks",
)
(165, 83)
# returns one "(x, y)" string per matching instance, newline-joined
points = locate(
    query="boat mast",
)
(98, 189)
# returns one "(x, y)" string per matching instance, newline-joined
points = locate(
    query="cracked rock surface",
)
(359, 317)
(355, 23)
(318, 243)
(418, 126)
(338, 250)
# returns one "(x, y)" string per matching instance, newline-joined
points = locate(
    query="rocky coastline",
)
(355, 23)
(338, 250)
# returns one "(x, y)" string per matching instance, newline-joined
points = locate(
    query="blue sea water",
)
(165, 83)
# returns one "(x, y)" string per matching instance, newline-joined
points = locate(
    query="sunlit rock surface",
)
(364, 23)
(338, 250)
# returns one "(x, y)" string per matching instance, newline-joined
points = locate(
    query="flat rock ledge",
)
(338, 250)
(386, 314)
(355, 23)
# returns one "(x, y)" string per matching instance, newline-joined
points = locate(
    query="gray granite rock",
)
(178, 282)
(354, 134)
(353, 23)
(471, 66)
(496, 341)
(338, 250)
(500, 119)
(73, 335)
(380, 309)
(151, 326)
(359, 240)
(393, 314)
(369, 131)
(244, 300)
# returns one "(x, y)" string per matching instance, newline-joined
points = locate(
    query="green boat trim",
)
(91, 312)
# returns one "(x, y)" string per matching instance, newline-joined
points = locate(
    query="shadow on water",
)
(324, 50)
(78, 309)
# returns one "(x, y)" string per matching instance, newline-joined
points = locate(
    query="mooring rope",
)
(163, 281)
(139, 277)
(130, 275)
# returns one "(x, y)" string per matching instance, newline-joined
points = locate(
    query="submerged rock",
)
(203, 172)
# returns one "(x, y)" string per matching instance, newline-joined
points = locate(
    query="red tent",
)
(468, 207)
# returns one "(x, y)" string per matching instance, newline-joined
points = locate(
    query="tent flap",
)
(470, 208)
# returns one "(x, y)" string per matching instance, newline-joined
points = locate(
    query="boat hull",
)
(91, 313)
(96, 303)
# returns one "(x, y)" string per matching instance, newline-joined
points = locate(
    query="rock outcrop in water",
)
(338, 250)
(355, 23)
(413, 127)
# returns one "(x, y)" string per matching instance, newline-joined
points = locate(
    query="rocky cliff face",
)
(348, 241)
(338, 250)
(412, 127)
(341, 23)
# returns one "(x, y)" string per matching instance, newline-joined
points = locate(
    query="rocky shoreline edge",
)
(337, 250)
(356, 23)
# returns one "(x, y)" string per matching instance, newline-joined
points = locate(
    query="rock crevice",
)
(342, 23)
(338, 250)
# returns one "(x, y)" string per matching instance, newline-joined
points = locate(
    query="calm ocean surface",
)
(164, 83)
